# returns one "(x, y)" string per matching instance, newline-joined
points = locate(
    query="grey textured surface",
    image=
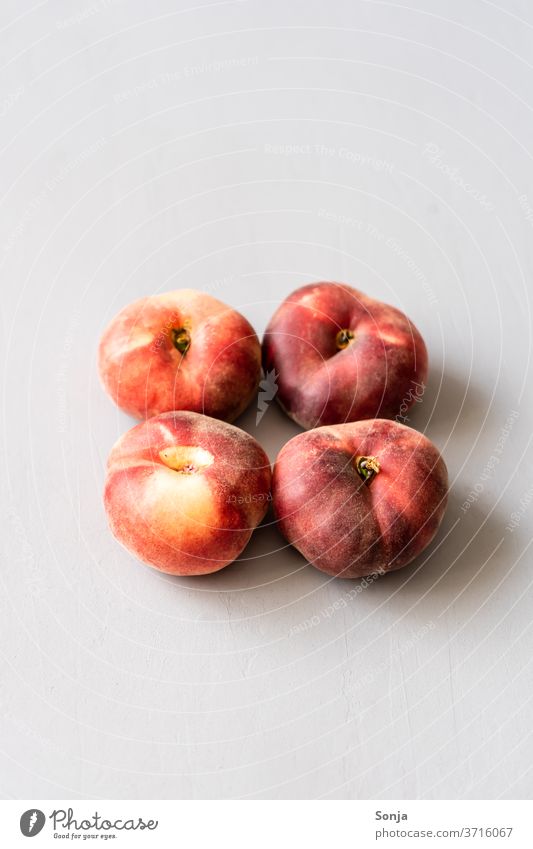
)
(246, 148)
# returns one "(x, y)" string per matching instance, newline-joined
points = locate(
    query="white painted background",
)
(140, 151)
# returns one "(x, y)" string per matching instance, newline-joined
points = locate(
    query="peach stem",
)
(181, 339)
(343, 338)
(367, 467)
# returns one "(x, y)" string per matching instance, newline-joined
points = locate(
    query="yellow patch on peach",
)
(175, 503)
(186, 459)
(391, 337)
(137, 338)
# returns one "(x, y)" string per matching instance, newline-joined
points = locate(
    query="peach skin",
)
(183, 350)
(359, 498)
(341, 356)
(184, 492)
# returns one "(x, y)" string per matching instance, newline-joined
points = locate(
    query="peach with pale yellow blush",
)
(184, 492)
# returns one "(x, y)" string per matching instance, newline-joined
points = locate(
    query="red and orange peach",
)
(183, 350)
(184, 492)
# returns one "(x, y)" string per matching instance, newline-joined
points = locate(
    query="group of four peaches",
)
(356, 493)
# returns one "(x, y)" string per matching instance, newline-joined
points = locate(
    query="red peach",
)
(359, 498)
(342, 356)
(184, 492)
(183, 350)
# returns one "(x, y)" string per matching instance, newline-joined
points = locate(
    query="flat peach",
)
(183, 350)
(341, 356)
(184, 492)
(361, 497)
